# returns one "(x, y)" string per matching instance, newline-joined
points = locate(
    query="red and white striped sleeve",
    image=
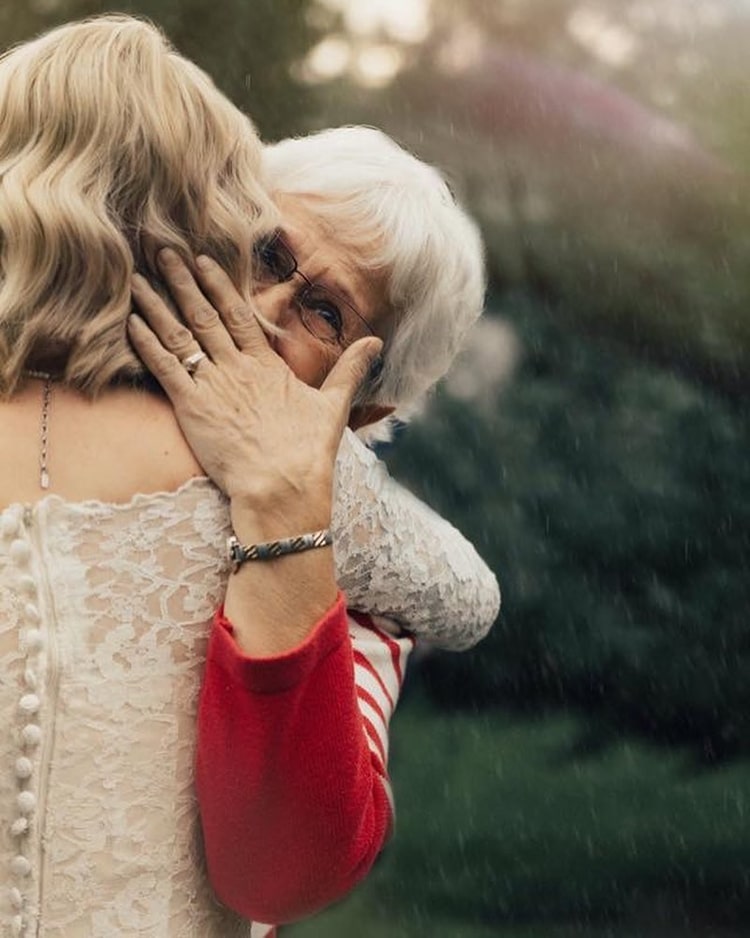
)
(380, 650)
(291, 767)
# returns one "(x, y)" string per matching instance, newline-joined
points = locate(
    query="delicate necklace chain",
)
(44, 448)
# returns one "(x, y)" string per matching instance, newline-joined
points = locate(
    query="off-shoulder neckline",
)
(93, 504)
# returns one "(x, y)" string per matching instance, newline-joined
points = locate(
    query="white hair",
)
(399, 217)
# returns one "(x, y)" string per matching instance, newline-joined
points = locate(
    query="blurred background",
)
(583, 772)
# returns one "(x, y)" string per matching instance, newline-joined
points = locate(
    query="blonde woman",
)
(112, 539)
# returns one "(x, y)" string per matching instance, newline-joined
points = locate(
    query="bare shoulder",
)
(126, 441)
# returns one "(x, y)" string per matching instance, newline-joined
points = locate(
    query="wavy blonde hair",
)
(111, 146)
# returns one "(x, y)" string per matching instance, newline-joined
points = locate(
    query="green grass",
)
(503, 831)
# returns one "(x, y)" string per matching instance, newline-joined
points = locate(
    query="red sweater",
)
(291, 767)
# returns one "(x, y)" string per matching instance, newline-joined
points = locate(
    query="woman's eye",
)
(262, 261)
(269, 257)
(272, 262)
(330, 314)
(326, 317)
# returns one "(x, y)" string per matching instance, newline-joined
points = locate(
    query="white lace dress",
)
(105, 612)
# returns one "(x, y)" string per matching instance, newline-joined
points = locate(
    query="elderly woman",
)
(112, 539)
(363, 219)
(332, 271)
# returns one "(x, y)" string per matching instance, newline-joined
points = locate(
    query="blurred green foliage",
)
(613, 499)
(519, 837)
(603, 147)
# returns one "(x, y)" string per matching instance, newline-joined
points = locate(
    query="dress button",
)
(24, 767)
(20, 552)
(16, 898)
(31, 734)
(29, 677)
(33, 639)
(31, 613)
(8, 524)
(29, 703)
(20, 866)
(16, 926)
(19, 827)
(26, 801)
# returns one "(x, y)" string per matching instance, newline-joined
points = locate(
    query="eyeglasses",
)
(325, 315)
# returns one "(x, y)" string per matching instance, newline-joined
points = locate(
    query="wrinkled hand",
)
(261, 435)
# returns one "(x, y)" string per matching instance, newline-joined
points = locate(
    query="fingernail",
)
(203, 261)
(137, 281)
(134, 321)
(167, 256)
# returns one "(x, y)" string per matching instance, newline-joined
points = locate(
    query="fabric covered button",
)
(9, 524)
(26, 802)
(24, 767)
(29, 677)
(33, 639)
(19, 827)
(29, 703)
(16, 899)
(20, 552)
(16, 926)
(31, 734)
(20, 866)
(31, 613)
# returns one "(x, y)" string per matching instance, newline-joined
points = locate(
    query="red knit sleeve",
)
(293, 796)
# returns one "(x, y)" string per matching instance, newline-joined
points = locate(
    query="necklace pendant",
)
(44, 479)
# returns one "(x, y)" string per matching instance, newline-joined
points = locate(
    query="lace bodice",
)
(104, 615)
(104, 618)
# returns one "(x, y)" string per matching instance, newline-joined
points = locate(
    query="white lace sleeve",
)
(396, 557)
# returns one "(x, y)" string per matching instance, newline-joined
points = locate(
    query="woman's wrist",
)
(259, 519)
(251, 526)
(274, 604)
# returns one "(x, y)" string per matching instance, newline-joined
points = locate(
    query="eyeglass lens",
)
(321, 311)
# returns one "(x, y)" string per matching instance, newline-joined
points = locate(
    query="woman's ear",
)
(363, 416)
